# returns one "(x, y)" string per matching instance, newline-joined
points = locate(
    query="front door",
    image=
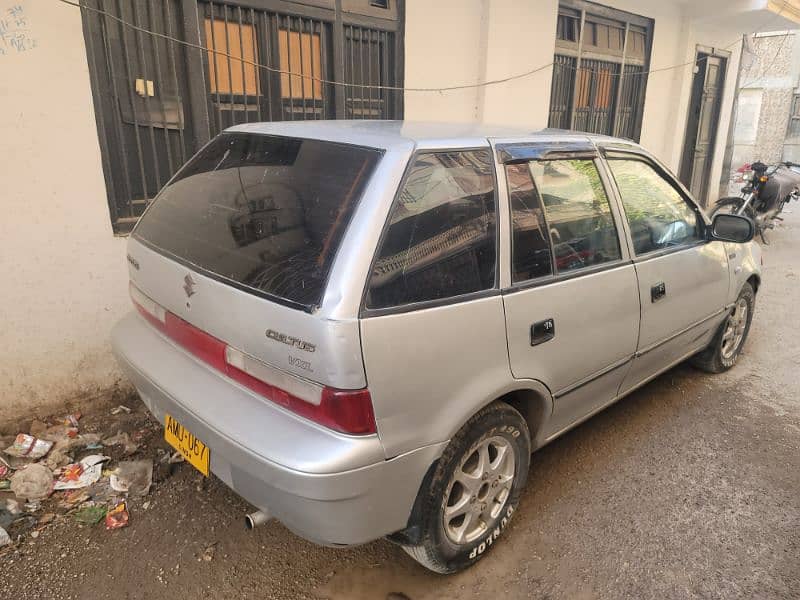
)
(572, 309)
(683, 278)
(701, 129)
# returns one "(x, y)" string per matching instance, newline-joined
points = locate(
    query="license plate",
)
(184, 441)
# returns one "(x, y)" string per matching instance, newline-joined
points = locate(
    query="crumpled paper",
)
(81, 474)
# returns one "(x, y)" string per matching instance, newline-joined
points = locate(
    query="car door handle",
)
(543, 331)
(658, 291)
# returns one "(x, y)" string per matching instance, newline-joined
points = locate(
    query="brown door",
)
(701, 130)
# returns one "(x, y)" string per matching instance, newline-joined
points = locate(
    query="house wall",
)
(64, 277)
(489, 40)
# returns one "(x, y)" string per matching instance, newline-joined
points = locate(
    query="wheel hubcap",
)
(734, 329)
(479, 490)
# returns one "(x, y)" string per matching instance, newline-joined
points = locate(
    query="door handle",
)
(543, 331)
(658, 291)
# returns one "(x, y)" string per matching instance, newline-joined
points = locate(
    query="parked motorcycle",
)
(765, 192)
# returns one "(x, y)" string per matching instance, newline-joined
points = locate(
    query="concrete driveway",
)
(689, 488)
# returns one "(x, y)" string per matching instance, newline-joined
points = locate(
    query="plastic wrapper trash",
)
(81, 474)
(5, 539)
(9, 512)
(133, 477)
(32, 482)
(71, 420)
(117, 517)
(124, 440)
(27, 446)
(90, 515)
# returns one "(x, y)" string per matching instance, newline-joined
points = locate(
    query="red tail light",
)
(347, 411)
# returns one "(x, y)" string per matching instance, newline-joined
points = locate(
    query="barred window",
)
(158, 100)
(600, 69)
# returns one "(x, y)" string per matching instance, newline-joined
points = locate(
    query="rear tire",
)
(725, 348)
(473, 491)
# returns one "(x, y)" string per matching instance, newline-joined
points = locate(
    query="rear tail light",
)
(347, 411)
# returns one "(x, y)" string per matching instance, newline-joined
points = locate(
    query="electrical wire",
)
(450, 88)
(766, 69)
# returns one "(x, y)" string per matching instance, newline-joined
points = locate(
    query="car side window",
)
(440, 241)
(658, 215)
(530, 244)
(577, 214)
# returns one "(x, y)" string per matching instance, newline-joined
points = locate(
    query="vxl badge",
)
(188, 285)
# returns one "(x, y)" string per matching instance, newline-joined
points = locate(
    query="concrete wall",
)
(63, 273)
(769, 78)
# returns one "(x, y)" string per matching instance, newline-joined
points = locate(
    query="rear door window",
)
(440, 241)
(264, 213)
(530, 245)
(562, 201)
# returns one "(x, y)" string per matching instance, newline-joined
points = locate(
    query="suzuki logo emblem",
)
(188, 285)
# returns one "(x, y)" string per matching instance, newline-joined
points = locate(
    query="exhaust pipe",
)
(255, 519)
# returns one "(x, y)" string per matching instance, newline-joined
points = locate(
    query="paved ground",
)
(689, 488)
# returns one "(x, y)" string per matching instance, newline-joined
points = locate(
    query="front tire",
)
(725, 348)
(474, 490)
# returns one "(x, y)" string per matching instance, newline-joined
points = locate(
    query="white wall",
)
(443, 48)
(484, 40)
(63, 276)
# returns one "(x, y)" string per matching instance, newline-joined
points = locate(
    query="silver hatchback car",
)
(365, 328)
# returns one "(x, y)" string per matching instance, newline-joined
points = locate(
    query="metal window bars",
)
(157, 100)
(599, 69)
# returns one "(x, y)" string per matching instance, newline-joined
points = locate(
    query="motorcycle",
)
(766, 191)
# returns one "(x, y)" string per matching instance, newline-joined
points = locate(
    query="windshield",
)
(265, 213)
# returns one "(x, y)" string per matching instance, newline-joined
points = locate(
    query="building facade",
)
(101, 105)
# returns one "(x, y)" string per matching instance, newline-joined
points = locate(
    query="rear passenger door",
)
(683, 277)
(432, 326)
(572, 304)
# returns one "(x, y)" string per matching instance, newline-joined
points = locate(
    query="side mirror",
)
(732, 228)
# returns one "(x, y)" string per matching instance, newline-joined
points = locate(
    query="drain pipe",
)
(255, 519)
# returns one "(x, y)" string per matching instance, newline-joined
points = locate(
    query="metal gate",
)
(167, 75)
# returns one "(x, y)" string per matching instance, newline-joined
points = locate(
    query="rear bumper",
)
(326, 487)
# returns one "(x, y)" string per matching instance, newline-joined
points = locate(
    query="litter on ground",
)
(117, 517)
(5, 539)
(32, 482)
(81, 474)
(27, 446)
(133, 476)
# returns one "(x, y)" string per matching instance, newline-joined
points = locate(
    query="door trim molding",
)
(590, 378)
(666, 340)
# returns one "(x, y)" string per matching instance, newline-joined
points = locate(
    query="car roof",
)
(405, 135)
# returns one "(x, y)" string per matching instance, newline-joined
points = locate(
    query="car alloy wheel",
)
(479, 489)
(734, 330)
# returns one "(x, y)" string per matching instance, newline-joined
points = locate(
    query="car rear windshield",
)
(264, 213)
